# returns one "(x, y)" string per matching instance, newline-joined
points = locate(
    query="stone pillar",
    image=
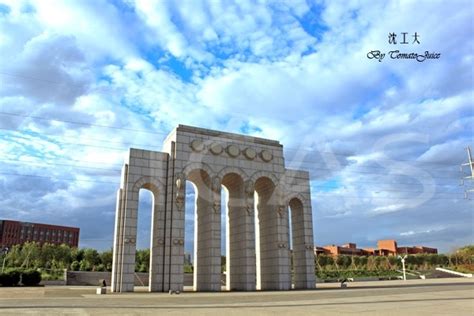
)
(284, 251)
(119, 251)
(129, 241)
(118, 241)
(241, 264)
(273, 269)
(207, 241)
(303, 249)
(157, 247)
(177, 234)
(170, 203)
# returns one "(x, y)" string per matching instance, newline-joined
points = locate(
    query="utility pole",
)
(470, 163)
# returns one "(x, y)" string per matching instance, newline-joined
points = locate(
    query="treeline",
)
(327, 266)
(59, 257)
(50, 257)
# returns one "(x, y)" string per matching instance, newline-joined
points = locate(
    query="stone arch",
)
(126, 232)
(207, 225)
(198, 165)
(297, 196)
(236, 170)
(302, 250)
(157, 188)
(186, 156)
(149, 183)
(272, 253)
(259, 174)
(240, 243)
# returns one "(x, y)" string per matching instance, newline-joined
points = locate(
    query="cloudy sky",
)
(82, 81)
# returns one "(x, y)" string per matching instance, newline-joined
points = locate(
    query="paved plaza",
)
(413, 297)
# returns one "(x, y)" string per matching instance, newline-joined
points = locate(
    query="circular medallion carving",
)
(233, 150)
(250, 153)
(197, 145)
(266, 155)
(216, 149)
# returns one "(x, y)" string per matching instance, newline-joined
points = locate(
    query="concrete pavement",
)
(413, 297)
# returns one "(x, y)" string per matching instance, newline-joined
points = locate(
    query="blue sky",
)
(82, 81)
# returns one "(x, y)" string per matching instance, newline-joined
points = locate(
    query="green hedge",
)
(355, 274)
(12, 277)
(30, 277)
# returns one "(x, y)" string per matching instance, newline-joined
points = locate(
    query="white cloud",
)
(230, 27)
(388, 208)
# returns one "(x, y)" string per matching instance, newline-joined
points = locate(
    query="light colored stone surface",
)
(413, 297)
(261, 193)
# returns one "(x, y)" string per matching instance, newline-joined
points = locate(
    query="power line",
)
(56, 178)
(164, 134)
(375, 159)
(4, 159)
(75, 160)
(343, 184)
(308, 162)
(56, 164)
(300, 163)
(80, 123)
(115, 183)
(29, 132)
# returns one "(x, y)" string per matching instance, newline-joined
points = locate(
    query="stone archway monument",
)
(261, 193)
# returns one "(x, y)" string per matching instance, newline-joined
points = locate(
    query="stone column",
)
(272, 240)
(241, 264)
(157, 247)
(207, 249)
(118, 241)
(177, 234)
(284, 251)
(303, 248)
(129, 241)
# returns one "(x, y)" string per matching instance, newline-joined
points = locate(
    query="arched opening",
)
(143, 244)
(146, 253)
(240, 256)
(297, 238)
(224, 234)
(189, 233)
(271, 265)
(207, 239)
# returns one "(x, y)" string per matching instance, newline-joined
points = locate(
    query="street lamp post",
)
(403, 266)
(4, 251)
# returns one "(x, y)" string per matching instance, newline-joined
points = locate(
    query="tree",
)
(142, 259)
(324, 260)
(106, 260)
(343, 261)
(90, 261)
(393, 262)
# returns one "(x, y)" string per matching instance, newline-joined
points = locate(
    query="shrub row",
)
(14, 277)
(355, 273)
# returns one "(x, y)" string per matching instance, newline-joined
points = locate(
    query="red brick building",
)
(347, 249)
(384, 248)
(14, 232)
(390, 248)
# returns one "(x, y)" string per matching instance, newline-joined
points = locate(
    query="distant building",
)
(347, 249)
(15, 232)
(384, 248)
(390, 248)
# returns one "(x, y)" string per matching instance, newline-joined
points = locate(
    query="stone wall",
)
(92, 278)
